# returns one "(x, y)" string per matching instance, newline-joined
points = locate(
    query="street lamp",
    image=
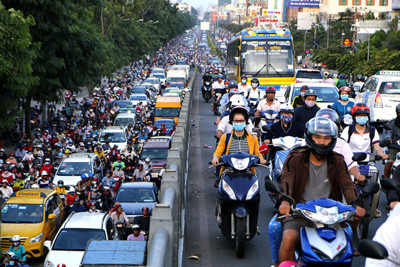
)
(342, 38)
(140, 20)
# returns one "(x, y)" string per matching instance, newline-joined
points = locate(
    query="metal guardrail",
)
(158, 249)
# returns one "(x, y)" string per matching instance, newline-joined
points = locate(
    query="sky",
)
(204, 4)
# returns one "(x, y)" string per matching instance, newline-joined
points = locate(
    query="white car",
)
(78, 229)
(136, 98)
(154, 81)
(308, 76)
(116, 135)
(327, 94)
(123, 119)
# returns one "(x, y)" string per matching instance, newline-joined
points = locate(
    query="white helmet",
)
(35, 186)
(147, 160)
(236, 100)
(16, 238)
(286, 107)
(44, 173)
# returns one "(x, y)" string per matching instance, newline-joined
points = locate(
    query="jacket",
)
(296, 173)
(393, 133)
(303, 114)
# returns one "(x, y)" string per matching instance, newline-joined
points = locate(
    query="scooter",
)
(238, 199)
(206, 90)
(328, 241)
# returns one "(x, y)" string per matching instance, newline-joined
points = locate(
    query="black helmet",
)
(240, 110)
(60, 182)
(330, 114)
(233, 84)
(359, 77)
(310, 92)
(321, 126)
(330, 75)
(397, 108)
(243, 76)
(255, 80)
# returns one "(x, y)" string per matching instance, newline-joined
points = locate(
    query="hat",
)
(136, 227)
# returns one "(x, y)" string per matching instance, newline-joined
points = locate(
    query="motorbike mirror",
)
(266, 128)
(273, 187)
(359, 156)
(384, 143)
(371, 188)
(372, 249)
(330, 106)
(389, 184)
(387, 127)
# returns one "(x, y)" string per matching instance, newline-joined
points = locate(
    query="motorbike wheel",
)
(362, 228)
(240, 236)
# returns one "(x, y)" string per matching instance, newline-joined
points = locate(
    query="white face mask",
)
(16, 244)
(244, 81)
(254, 85)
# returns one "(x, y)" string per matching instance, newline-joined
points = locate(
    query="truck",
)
(177, 75)
(114, 253)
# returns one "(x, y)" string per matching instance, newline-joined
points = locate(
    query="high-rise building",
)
(224, 2)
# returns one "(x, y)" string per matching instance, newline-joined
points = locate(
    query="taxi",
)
(35, 215)
(381, 93)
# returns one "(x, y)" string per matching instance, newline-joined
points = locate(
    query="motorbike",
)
(328, 241)
(267, 117)
(118, 182)
(122, 230)
(253, 103)
(238, 199)
(282, 146)
(206, 90)
(216, 104)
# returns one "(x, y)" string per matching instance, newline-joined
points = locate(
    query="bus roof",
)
(256, 34)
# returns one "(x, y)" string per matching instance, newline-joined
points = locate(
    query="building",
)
(185, 7)
(380, 8)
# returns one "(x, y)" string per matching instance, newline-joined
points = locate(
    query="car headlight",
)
(240, 164)
(228, 190)
(48, 264)
(37, 238)
(327, 216)
(253, 189)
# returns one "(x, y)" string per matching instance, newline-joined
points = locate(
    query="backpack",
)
(371, 129)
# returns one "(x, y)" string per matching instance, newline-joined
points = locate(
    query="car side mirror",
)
(47, 244)
(51, 216)
(372, 249)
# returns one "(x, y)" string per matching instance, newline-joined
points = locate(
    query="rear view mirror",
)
(372, 249)
(266, 128)
(273, 187)
(384, 143)
(359, 156)
(52, 216)
(371, 188)
(387, 127)
(389, 184)
(236, 60)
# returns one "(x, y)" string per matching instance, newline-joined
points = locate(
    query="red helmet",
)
(344, 89)
(61, 265)
(360, 108)
(270, 89)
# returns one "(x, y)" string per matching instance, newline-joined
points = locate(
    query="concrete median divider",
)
(166, 221)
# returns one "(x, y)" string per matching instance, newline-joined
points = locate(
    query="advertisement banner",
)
(214, 17)
(303, 3)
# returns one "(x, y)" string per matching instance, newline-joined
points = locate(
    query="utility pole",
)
(305, 36)
(329, 25)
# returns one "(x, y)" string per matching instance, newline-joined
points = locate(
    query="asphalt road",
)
(203, 238)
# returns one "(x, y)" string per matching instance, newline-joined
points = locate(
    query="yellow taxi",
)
(35, 215)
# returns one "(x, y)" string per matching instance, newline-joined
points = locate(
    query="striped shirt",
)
(239, 144)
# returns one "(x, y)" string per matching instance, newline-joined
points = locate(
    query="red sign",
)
(214, 17)
(347, 42)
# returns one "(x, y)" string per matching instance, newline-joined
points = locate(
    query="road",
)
(203, 238)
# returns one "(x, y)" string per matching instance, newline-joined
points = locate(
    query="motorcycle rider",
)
(343, 105)
(18, 249)
(330, 79)
(60, 188)
(391, 132)
(306, 112)
(136, 235)
(269, 103)
(232, 89)
(44, 181)
(298, 101)
(217, 87)
(144, 220)
(254, 92)
(310, 173)
(206, 78)
(243, 87)
(342, 81)
(358, 84)
(239, 140)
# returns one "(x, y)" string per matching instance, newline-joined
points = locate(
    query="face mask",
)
(244, 81)
(239, 126)
(344, 97)
(286, 118)
(302, 94)
(11, 263)
(16, 244)
(60, 185)
(254, 85)
(362, 120)
(309, 103)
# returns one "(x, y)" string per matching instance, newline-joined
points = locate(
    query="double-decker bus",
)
(263, 53)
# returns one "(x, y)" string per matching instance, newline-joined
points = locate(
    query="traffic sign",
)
(307, 51)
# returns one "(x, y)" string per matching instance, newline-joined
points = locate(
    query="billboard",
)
(205, 26)
(303, 3)
(214, 17)
(305, 20)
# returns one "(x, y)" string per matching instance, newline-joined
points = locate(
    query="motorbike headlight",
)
(253, 189)
(240, 164)
(228, 190)
(48, 264)
(327, 216)
(36, 238)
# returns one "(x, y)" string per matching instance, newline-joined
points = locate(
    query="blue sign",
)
(303, 3)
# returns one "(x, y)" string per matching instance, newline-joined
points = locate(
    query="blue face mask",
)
(344, 97)
(286, 118)
(239, 126)
(11, 263)
(362, 120)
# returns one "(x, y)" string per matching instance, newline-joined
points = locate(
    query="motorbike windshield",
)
(22, 213)
(77, 239)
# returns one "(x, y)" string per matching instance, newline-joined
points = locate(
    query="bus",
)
(267, 54)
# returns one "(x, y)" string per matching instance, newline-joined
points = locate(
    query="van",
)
(123, 119)
(35, 215)
(157, 151)
(168, 108)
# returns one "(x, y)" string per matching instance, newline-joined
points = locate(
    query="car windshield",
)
(309, 75)
(123, 104)
(138, 90)
(167, 112)
(74, 168)
(114, 137)
(168, 124)
(390, 88)
(123, 121)
(325, 94)
(152, 81)
(176, 80)
(177, 84)
(136, 195)
(154, 153)
(159, 75)
(158, 71)
(138, 97)
(77, 239)
(22, 213)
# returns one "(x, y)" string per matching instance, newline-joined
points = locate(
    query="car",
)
(123, 119)
(161, 76)
(116, 135)
(157, 152)
(168, 123)
(35, 215)
(308, 75)
(72, 167)
(381, 93)
(136, 98)
(120, 103)
(78, 229)
(154, 81)
(133, 196)
(327, 93)
(138, 90)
